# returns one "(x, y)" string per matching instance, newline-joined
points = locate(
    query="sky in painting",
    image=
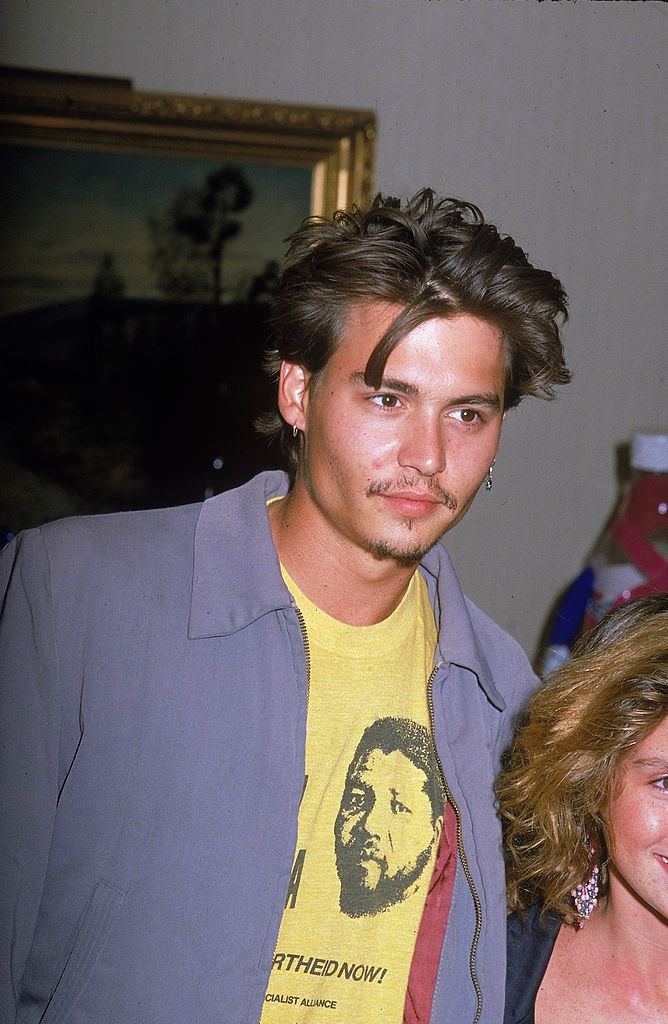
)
(66, 209)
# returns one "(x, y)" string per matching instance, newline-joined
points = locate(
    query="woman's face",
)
(638, 820)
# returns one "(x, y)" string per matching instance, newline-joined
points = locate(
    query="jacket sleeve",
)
(29, 741)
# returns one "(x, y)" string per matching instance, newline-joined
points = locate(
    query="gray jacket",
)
(153, 731)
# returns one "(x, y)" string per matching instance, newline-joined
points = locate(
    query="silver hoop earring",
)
(294, 430)
(488, 478)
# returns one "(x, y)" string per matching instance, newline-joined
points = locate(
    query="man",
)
(390, 818)
(184, 688)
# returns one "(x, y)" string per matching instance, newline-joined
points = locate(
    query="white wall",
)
(550, 116)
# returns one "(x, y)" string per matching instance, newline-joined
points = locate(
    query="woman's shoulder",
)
(531, 939)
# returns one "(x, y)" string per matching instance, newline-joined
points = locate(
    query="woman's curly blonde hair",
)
(564, 765)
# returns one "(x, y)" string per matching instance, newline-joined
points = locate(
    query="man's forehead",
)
(370, 313)
(379, 762)
(367, 325)
(363, 326)
(376, 316)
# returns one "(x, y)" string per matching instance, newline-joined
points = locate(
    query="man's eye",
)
(356, 800)
(386, 401)
(661, 783)
(467, 415)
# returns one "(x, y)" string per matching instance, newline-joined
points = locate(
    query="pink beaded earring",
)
(585, 895)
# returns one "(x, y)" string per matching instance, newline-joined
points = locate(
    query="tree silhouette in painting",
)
(189, 240)
(108, 284)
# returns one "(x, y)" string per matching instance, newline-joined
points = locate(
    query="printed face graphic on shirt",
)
(390, 817)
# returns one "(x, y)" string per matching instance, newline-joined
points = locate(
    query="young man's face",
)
(388, 471)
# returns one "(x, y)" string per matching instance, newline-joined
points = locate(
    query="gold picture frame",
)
(133, 344)
(53, 108)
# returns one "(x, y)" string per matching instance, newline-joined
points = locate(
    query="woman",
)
(584, 799)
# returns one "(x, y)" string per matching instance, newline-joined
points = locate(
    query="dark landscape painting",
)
(134, 296)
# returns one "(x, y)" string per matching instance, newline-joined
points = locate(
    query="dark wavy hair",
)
(564, 766)
(434, 257)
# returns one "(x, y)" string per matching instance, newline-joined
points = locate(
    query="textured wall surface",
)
(550, 116)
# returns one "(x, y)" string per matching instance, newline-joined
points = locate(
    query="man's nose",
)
(375, 822)
(423, 445)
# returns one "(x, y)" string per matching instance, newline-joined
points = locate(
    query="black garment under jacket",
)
(530, 945)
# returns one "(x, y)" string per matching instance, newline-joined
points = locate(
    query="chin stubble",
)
(406, 556)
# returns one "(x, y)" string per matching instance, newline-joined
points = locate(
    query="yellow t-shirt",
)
(369, 821)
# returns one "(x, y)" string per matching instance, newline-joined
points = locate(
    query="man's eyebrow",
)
(387, 384)
(488, 400)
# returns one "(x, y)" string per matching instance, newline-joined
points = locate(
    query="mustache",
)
(365, 847)
(408, 483)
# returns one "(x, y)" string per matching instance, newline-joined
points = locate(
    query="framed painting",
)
(143, 235)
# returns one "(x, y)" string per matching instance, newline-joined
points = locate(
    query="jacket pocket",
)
(89, 943)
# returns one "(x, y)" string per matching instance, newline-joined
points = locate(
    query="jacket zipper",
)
(462, 857)
(307, 652)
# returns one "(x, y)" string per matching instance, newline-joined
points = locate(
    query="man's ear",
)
(293, 388)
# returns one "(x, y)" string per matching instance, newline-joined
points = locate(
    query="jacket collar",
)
(458, 642)
(237, 578)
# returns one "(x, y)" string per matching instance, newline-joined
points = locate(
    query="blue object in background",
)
(568, 617)
(567, 622)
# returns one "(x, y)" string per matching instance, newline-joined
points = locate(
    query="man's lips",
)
(404, 497)
(413, 504)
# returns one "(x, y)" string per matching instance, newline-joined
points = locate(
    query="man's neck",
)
(342, 580)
